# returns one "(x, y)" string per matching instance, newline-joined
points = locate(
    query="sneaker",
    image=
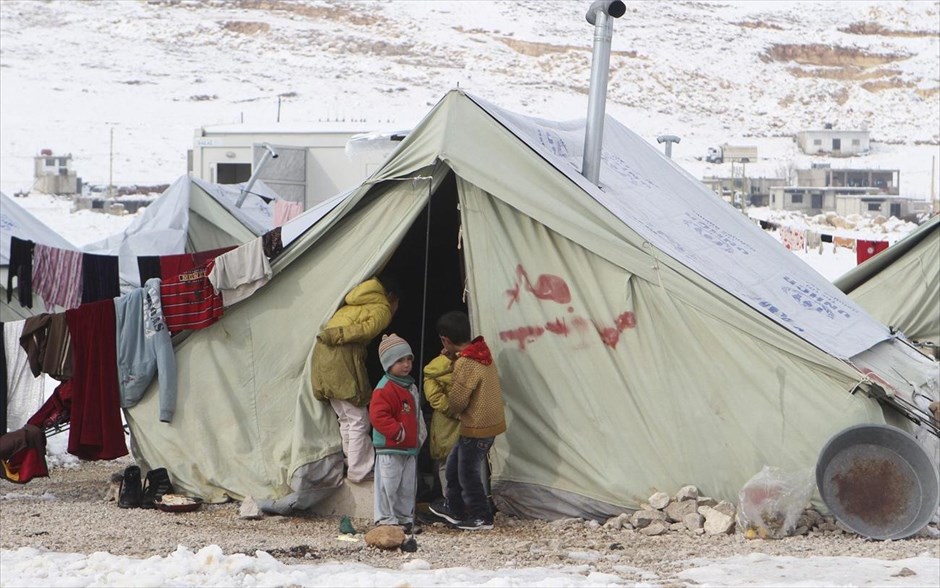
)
(411, 529)
(157, 484)
(475, 524)
(440, 508)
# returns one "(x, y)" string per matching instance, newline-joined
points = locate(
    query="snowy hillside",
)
(711, 72)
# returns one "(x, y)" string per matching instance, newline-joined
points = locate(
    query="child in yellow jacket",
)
(444, 428)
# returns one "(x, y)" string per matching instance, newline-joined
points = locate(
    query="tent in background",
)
(901, 285)
(191, 215)
(647, 335)
(16, 221)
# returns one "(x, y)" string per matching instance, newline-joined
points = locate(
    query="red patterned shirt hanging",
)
(188, 299)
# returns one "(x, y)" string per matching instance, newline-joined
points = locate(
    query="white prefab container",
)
(312, 163)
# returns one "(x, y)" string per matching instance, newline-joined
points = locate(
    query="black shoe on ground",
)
(441, 509)
(158, 484)
(475, 524)
(130, 494)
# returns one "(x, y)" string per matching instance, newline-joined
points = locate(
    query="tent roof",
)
(16, 221)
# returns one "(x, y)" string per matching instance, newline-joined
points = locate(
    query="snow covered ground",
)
(210, 567)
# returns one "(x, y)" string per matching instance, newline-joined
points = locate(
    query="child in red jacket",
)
(397, 434)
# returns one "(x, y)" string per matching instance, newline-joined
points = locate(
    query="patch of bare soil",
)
(829, 56)
(842, 73)
(67, 512)
(246, 27)
(535, 49)
(759, 24)
(873, 28)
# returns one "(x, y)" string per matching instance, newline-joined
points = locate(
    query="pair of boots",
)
(135, 495)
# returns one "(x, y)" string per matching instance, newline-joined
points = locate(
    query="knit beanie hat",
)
(391, 349)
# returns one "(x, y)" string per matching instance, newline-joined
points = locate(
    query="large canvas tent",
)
(901, 285)
(191, 215)
(647, 335)
(16, 221)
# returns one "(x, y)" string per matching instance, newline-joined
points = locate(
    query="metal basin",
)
(878, 481)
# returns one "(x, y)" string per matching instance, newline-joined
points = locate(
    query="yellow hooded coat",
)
(444, 428)
(339, 358)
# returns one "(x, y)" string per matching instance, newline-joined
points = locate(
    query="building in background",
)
(53, 174)
(834, 142)
(312, 163)
(868, 192)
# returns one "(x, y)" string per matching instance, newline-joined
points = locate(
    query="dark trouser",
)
(465, 491)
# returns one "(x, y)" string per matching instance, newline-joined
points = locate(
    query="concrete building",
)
(885, 181)
(757, 189)
(834, 142)
(313, 161)
(53, 174)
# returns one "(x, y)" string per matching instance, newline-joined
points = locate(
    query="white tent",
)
(901, 285)
(191, 215)
(16, 221)
(647, 335)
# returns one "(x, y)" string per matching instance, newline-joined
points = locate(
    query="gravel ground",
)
(67, 512)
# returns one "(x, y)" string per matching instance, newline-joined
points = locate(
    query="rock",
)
(699, 531)
(657, 527)
(801, 530)
(385, 537)
(705, 501)
(904, 572)
(717, 522)
(249, 509)
(693, 521)
(725, 507)
(659, 500)
(677, 510)
(677, 527)
(616, 523)
(592, 524)
(687, 493)
(643, 518)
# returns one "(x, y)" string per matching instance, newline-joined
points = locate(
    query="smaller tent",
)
(191, 215)
(901, 285)
(16, 221)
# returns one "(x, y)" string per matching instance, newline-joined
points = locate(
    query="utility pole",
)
(111, 166)
(933, 185)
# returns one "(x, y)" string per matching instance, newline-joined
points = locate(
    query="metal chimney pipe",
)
(269, 153)
(668, 140)
(599, 14)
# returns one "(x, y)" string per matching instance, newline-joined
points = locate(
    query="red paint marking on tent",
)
(522, 335)
(513, 294)
(570, 309)
(558, 326)
(579, 323)
(626, 321)
(547, 286)
(610, 336)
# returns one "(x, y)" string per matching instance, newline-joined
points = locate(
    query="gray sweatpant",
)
(394, 488)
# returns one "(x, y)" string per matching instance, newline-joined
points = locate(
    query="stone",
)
(657, 527)
(687, 493)
(677, 527)
(717, 522)
(904, 572)
(616, 523)
(249, 509)
(386, 537)
(592, 524)
(699, 531)
(659, 500)
(725, 507)
(706, 501)
(801, 530)
(677, 510)
(643, 518)
(693, 521)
